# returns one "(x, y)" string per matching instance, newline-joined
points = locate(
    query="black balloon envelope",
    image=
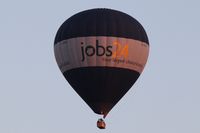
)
(101, 53)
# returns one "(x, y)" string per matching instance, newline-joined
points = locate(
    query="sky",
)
(35, 98)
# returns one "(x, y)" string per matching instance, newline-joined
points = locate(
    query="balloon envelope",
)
(101, 53)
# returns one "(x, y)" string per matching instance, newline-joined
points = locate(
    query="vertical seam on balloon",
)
(117, 30)
(74, 51)
(85, 41)
(124, 58)
(106, 41)
(95, 24)
(141, 51)
(77, 53)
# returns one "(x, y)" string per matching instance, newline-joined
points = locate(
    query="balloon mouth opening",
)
(101, 108)
(104, 114)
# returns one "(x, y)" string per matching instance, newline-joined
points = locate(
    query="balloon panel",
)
(101, 87)
(101, 51)
(101, 22)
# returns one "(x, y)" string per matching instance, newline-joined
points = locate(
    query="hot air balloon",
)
(101, 53)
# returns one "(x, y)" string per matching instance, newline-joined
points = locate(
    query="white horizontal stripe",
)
(101, 51)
